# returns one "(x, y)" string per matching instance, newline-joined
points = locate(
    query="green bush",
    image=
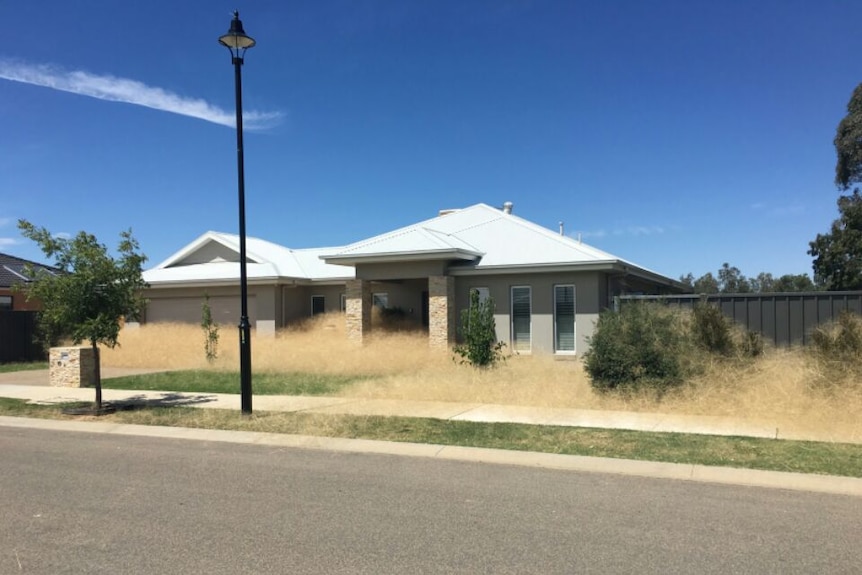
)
(717, 334)
(837, 347)
(712, 330)
(478, 331)
(644, 346)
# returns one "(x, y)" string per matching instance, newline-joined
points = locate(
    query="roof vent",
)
(446, 212)
(507, 207)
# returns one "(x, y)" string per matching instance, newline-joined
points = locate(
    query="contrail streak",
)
(129, 91)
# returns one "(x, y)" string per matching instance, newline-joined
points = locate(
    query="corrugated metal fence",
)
(783, 318)
(18, 337)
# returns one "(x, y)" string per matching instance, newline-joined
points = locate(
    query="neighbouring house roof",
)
(486, 240)
(213, 258)
(13, 270)
(479, 239)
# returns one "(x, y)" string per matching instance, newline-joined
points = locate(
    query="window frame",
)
(574, 349)
(8, 304)
(512, 317)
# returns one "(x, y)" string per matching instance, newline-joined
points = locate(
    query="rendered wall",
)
(588, 297)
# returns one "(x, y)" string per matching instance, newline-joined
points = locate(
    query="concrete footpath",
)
(31, 387)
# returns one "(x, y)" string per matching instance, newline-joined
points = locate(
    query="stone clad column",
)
(441, 311)
(358, 309)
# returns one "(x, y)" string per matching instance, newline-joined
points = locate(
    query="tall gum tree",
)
(838, 254)
(848, 144)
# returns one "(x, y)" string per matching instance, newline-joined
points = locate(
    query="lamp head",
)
(236, 39)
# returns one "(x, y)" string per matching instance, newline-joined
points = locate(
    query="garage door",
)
(225, 310)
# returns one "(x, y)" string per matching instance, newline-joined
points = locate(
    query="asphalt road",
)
(90, 503)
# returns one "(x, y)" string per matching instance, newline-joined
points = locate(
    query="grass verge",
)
(214, 381)
(751, 453)
(22, 366)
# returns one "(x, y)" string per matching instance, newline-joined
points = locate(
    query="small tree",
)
(210, 328)
(478, 331)
(93, 292)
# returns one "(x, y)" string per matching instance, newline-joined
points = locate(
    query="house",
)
(548, 289)
(13, 276)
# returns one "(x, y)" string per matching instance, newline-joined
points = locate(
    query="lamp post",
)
(237, 42)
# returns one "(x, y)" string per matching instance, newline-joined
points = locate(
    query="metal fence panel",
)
(782, 318)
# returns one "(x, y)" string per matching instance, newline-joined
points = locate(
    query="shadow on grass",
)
(132, 403)
(167, 399)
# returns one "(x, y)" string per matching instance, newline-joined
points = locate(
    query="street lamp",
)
(237, 42)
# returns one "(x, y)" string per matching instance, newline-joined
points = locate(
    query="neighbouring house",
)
(548, 289)
(14, 277)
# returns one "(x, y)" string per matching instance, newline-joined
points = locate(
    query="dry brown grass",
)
(780, 388)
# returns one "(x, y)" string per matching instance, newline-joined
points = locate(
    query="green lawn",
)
(19, 366)
(211, 381)
(771, 454)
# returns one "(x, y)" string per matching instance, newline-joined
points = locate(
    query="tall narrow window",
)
(318, 304)
(343, 302)
(521, 318)
(564, 318)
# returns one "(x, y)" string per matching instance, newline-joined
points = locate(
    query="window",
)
(318, 305)
(484, 293)
(521, 318)
(380, 300)
(343, 302)
(5, 303)
(564, 318)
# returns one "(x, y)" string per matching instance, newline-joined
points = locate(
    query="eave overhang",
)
(403, 257)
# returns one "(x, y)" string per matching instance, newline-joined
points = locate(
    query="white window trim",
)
(512, 318)
(575, 334)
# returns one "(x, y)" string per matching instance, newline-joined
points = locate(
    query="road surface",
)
(90, 503)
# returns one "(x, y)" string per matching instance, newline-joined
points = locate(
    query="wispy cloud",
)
(793, 209)
(6, 242)
(625, 231)
(129, 91)
(644, 230)
(592, 234)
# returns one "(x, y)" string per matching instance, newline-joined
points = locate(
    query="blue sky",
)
(676, 134)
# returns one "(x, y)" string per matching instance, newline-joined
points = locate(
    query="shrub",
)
(646, 345)
(210, 328)
(478, 330)
(712, 330)
(837, 347)
(717, 334)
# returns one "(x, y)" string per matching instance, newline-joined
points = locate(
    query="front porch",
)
(428, 302)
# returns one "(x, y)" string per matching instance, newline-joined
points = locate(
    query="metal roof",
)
(478, 239)
(492, 238)
(264, 261)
